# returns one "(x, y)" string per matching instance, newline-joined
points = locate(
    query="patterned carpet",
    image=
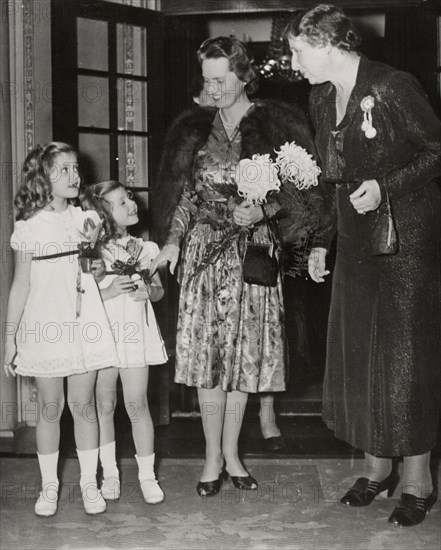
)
(296, 508)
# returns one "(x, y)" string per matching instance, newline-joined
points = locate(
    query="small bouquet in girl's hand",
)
(132, 266)
(89, 250)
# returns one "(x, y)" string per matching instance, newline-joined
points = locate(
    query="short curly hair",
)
(240, 60)
(325, 24)
(35, 191)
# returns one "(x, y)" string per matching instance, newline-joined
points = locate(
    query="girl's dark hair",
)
(325, 24)
(94, 198)
(35, 191)
(241, 62)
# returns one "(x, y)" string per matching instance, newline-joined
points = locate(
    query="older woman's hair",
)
(241, 62)
(325, 24)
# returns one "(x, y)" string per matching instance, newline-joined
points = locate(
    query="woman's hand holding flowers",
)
(247, 214)
(367, 197)
(170, 253)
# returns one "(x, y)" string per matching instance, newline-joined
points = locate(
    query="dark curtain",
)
(411, 45)
(183, 36)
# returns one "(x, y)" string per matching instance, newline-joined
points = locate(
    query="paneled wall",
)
(27, 108)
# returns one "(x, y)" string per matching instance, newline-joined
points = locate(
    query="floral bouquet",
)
(132, 265)
(89, 250)
(256, 177)
(299, 172)
(292, 171)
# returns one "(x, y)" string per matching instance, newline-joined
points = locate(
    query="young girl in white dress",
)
(56, 324)
(138, 340)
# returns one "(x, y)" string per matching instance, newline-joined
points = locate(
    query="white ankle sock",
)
(88, 466)
(48, 468)
(108, 460)
(145, 465)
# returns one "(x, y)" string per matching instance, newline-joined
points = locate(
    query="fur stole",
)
(268, 126)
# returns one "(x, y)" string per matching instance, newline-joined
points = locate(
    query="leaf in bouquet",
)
(297, 254)
(214, 250)
(301, 213)
(146, 276)
(227, 190)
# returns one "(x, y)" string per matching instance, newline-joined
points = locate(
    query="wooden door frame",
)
(65, 122)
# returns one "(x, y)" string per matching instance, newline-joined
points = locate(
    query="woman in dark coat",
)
(376, 134)
(230, 334)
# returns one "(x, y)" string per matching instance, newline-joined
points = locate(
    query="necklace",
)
(225, 123)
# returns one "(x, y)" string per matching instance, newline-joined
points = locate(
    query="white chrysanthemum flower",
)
(255, 177)
(297, 166)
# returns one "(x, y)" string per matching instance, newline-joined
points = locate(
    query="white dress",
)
(51, 340)
(138, 339)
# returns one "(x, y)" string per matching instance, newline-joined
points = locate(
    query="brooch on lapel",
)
(367, 104)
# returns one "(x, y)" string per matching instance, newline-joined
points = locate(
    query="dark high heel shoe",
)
(412, 510)
(211, 488)
(272, 444)
(244, 482)
(363, 492)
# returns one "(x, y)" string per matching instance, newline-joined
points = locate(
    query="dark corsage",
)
(132, 266)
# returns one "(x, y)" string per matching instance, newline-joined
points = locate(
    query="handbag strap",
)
(268, 225)
(389, 209)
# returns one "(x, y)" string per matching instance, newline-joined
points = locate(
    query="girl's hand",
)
(141, 292)
(367, 197)
(122, 284)
(170, 253)
(317, 264)
(246, 214)
(152, 292)
(10, 353)
(98, 268)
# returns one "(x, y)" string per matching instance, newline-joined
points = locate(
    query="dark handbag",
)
(260, 265)
(384, 236)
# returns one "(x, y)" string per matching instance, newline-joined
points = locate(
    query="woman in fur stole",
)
(230, 334)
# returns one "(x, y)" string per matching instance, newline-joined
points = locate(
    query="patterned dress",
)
(382, 388)
(229, 333)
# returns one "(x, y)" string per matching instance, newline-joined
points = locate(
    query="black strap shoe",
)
(363, 492)
(412, 510)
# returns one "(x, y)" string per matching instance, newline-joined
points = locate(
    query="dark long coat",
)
(382, 388)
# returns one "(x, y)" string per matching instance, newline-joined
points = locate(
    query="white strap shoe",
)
(92, 499)
(47, 501)
(151, 491)
(111, 488)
